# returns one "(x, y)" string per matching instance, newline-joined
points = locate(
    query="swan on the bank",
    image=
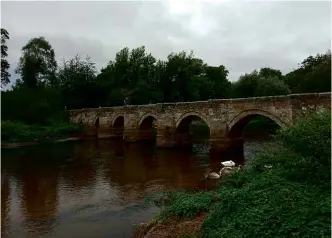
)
(226, 170)
(229, 163)
(212, 175)
(223, 171)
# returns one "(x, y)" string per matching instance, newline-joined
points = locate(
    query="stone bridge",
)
(225, 117)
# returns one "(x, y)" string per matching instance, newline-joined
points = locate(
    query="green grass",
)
(13, 132)
(184, 204)
(291, 199)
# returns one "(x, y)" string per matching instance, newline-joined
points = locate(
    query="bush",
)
(19, 132)
(270, 207)
(32, 106)
(311, 137)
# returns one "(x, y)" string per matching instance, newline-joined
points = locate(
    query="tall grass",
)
(291, 199)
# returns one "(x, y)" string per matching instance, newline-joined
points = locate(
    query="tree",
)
(313, 75)
(140, 74)
(131, 76)
(182, 72)
(266, 82)
(245, 86)
(270, 73)
(4, 63)
(221, 87)
(77, 80)
(135, 75)
(271, 87)
(37, 65)
(32, 105)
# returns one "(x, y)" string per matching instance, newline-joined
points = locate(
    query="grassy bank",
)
(17, 132)
(290, 199)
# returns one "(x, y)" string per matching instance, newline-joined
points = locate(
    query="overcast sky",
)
(243, 36)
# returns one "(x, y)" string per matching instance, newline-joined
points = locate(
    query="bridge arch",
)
(118, 125)
(145, 117)
(191, 115)
(146, 126)
(184, 135)
(237, 123)
(117, 117)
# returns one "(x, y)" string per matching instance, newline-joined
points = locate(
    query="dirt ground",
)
(172, 228)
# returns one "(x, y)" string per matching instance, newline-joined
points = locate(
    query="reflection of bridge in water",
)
(226, 118)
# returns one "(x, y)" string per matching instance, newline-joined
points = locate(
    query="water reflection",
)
(5, 203)
(92, 188)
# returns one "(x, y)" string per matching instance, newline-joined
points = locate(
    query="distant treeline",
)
(45, 87)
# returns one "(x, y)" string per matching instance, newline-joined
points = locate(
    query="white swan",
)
(226, 170)
(223, 171)
(229, 163)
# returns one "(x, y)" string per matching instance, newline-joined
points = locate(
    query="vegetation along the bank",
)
(43, 87)
(13, 132)
(283, 192)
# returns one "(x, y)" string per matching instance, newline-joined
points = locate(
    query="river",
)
(96, 188)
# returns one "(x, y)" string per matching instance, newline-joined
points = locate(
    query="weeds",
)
(184, 204)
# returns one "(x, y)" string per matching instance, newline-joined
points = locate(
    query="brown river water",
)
(96, 188)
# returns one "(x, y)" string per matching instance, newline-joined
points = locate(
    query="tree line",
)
(135, 76)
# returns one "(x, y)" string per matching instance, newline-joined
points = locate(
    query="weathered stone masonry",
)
(225, 118)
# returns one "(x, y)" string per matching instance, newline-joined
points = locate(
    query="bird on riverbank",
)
(228, 163)
(226, 170)
(212, 175)
(223, 171)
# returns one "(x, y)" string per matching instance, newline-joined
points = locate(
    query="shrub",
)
(311, 137)
(32, 106)
(19, 132)
(270, 207)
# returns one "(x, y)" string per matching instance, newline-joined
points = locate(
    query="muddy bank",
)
(172, 228)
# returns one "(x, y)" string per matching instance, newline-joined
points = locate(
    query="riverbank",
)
(284, 191)
(16, 134)
(172, 227)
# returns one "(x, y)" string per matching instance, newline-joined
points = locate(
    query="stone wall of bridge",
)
(225, 118)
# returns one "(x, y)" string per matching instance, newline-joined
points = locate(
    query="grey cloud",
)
(243, 36)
